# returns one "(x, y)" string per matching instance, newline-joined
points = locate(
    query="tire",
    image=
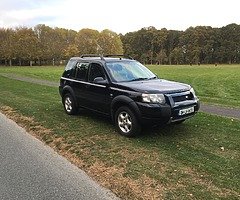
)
(126, 122)
(69, 104)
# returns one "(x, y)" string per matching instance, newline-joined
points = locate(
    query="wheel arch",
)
(68, 90)
(122, 100)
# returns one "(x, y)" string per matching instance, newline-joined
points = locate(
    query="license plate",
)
(186, 111)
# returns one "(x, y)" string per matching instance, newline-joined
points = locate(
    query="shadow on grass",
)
(95, 116)
(148, 131)
(166, 130)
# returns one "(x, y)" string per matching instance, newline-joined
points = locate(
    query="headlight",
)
(153, 98)
(193, 92)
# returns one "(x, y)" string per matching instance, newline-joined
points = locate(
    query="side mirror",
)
(100, 80)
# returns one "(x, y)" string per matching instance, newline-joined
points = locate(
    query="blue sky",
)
(119, 16)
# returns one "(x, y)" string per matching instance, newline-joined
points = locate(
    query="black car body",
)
(125, 90)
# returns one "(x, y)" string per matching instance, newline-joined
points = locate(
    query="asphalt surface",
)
(30, 80)
(221, 111)
(31, 170)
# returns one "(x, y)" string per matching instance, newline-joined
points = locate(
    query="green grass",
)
(45, 72)
(213, 84)
(181, 161)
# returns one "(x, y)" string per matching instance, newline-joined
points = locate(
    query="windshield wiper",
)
(139, 79)
(154, 77)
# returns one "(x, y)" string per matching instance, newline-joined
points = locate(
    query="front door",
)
(97, 94)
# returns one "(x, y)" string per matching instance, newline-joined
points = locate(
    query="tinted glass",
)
(128, 71)
(95, 71)
(70, 64)
(81, 71)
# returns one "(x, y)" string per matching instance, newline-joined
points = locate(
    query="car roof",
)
(101, 58)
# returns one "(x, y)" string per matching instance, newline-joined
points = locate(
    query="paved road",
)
(222, 111)
(31, 170)
(30, 80)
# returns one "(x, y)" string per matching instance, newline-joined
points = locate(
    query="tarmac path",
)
(31, 170)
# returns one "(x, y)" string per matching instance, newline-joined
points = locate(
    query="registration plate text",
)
(186, 111)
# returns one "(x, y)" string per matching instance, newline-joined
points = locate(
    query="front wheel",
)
(69, 104)
(127, 122)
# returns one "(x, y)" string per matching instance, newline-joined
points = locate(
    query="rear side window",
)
(81, 71)
(70, 65)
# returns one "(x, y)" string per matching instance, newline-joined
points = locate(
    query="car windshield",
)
(124, 71)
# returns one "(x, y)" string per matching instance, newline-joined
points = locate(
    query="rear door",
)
(79, 83)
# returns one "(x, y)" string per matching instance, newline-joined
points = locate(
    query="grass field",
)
(45, 72)
(199, 159)
(213, 84)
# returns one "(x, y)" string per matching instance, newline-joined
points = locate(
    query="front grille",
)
(183, 97)
(181, 101)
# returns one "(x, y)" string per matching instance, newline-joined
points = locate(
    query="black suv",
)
(124, 89)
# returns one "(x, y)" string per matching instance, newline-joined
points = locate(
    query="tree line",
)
(201, 44)
(42, 45)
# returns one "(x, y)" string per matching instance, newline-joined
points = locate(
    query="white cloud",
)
(122, 16)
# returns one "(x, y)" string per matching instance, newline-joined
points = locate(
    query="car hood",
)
(154, 86)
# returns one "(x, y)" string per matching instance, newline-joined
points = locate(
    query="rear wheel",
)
(69, 104)
(127, 122)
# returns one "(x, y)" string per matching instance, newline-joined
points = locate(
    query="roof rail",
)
(91, 55)
(119, 55)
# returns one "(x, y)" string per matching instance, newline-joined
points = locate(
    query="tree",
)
(44, 42)
(141, 42)
(177, 56)
(230, 43)
(161, 57)
(59, 44)
(71, 49)
(145, 43)
(87, 41)
(128, 42)
(172, 42)
(197, 42)
(7, 38)
(201, 44)
(109, 42)
(25, 45)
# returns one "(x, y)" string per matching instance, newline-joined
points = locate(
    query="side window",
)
(96, 70)
(81, 71)
(71, 63)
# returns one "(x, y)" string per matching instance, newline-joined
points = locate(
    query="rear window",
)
(71, 63)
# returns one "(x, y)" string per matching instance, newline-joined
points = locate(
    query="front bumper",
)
(162, 114)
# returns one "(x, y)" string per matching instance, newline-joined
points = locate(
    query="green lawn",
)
(199, 159)
(45, 72)
(213, 84)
